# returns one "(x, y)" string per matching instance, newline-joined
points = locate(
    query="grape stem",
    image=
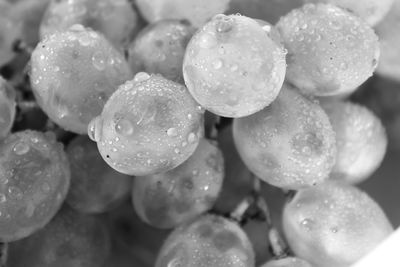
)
(3, 254)
(238, 213)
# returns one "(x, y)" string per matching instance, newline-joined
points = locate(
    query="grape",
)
(208, 241)
(287, 262)
(69, 240)
(7, 108)
(270, 10)
(196, 12)
(149, 125)
(160, 47)
(95, 187)
(116, 19)
(360, 138)
(234, 66)
(331, 51)
(333, 224)
(34, 179)
(289, 144)
(73, 74)
(387, 30)
(10, 31)
(372, 11)
(30, 12)
(168, 199)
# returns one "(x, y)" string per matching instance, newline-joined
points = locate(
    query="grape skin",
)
(10, 31)
(333, 224)
(7, 108)
(360, 138)
(34, 179)
(372, 11)
(160, 48)
(95, 187)
(287, 262)
(73, 73)
(149, 125)
(330, 51)
(389, 35)
(196, 12)
(69, 240)
(207, 241)
(168, 199)
(233, 66)
(116, 19)
(290, 144)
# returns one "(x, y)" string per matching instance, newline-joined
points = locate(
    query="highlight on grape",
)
(199, 133)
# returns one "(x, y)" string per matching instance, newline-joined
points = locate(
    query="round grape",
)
(361, 140)
(95, 187)
(372, 11)
(208, 241)
(333, 224)
(389, 35)
(330, 51)
(234, 66)
(289, 144)
(7, 108)
(116, 19)
(73, 73)
(10, 31)
(69, 240)
(196, 12)
(160, 48)
(168, 199)
(287, 262)
(149, 125)
(34, 179)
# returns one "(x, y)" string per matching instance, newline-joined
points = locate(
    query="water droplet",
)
(94, 129)
(99, 61)
(46, 187)
(15, 192)
(218, 64)
(172, 132)
(141, 76)
(192, 138)
(124, 127)
(21, 148)
(3, 198)
(224, 24)
(308, 224)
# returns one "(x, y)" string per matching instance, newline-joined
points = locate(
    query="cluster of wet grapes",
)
(194, 133)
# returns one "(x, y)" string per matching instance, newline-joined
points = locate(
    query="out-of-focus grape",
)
(149, 125)
(95, 186)
(171, 198)
(69, 240)
(333, 224)
(34, 179)
(289, 144)
(10, 31)
(372, 11)
(389, 36)
(209, 240)
(116, 19)
(7, 108)
(73, 73)
(234, 66)
(360, 140)
(268, 10)
(287, 262)
(196, 12)
(330, 51)
(160, 48)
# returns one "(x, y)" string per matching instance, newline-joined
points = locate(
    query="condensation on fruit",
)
(330, 51)
(289, 144)
(149, 125)
(73, 73)
(169, 199)
(234, 66)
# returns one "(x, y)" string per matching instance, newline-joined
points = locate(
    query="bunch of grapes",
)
(188, 133)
